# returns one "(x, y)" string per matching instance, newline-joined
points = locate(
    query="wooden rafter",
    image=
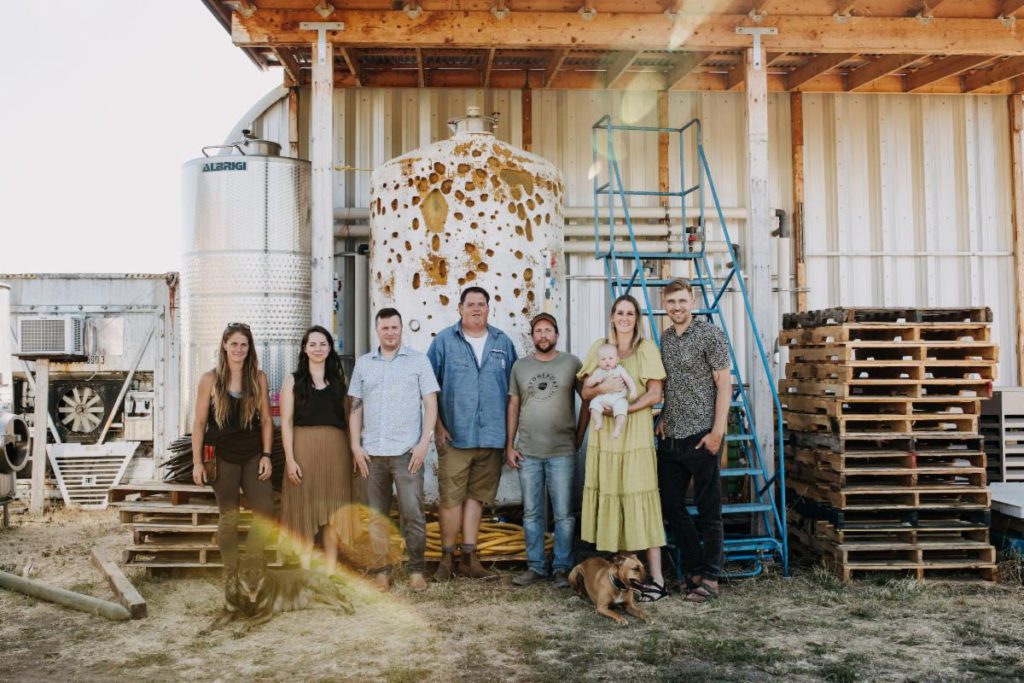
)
(488, 64)
(738, 74)
(926, 8)
(943, 68)
(686, 64)
(554, 64)
(883, 66)
(351, 63)
(1012, 7)
(620, 65)
(290, 65)
(814, 68)
(1000, 71)
(625, 30)
(421, 80)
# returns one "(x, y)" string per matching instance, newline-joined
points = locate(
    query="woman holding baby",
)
(621, 506)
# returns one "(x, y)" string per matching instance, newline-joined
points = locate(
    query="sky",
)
(101, 103)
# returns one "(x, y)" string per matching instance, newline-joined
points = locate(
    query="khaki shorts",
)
(467, 473)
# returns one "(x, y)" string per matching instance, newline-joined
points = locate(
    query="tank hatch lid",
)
(249, 145)
(473, 122)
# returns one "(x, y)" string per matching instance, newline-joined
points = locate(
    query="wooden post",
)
(37, 503)
(122, 587)
(321, 154)
(663, 178)
(796, 124)
(758, 252)
(1017, 181)
(293, 122)
(83, 603)
(528, 117)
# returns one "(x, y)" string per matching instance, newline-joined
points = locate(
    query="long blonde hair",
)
(250, 399)
(638, 329)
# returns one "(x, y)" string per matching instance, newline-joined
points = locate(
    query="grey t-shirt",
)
(547, 405)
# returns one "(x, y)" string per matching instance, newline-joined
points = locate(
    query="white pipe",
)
(350, 214)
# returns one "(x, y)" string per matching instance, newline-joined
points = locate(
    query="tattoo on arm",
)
(357, 404)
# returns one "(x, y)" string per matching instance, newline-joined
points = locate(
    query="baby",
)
(608, 366)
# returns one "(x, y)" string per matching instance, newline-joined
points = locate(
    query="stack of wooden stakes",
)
(885, 467)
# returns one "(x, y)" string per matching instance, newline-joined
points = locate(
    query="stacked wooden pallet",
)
(173, 526)
(886, 467)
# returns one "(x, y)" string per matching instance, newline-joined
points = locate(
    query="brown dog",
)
(610, 583)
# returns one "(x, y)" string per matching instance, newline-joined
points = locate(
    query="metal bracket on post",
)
(757, 33)
(321, 28)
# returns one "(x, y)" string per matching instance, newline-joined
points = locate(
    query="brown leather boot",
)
(445, 568)
(469, 565)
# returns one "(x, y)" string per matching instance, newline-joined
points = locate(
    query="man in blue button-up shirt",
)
(472, 362)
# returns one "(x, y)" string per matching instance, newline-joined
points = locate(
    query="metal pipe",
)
(83, 603)
(357, 214)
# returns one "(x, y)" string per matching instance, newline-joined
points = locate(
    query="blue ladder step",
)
(737, 508)
(741, 472)
(739, 437)
(755, 543)
(655, 255)
(604, 189)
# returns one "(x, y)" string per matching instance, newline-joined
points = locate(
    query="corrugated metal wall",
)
(907, 197)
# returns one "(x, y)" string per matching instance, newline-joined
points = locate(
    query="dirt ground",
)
(808, 627)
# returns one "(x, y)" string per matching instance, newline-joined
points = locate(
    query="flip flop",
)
(701, 593)
(650, 592)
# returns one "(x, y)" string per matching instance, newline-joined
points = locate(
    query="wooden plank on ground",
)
(123, 589)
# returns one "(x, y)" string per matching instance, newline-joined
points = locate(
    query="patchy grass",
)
(807, 628)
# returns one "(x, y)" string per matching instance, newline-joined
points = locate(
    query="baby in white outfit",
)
(608, 366)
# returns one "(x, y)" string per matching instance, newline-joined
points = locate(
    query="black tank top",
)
(325, 408)
(233, 442)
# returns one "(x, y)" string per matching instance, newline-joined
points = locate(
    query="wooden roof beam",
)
(686, 64)
(926, 9)
(738, 74)
(943, 68)
(554, 64)
(626, 30)
(290, 64)
(883, 66)
(421, 80)
(488, 65)
(1011, 8)
(814, 68)
(620, 65)
(998, 72)
(352, 64)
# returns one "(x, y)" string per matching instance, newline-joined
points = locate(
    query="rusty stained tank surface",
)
(469, 210)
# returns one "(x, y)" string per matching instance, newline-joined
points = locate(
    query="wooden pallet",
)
(827, 532)
(165, 512)
(858, 314)
(887, 332)
(877, 405)
(802, 507)
(928, 477)
(881, 425)
(974, 570)
(895, 353)
(925, 441)
(864, 373)
(867, 497)
(958, 460)
(177, 494)
(870, 388)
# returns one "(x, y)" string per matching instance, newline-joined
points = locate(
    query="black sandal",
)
(701, 593)
(650, 592)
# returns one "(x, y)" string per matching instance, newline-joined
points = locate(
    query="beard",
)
(544, 346)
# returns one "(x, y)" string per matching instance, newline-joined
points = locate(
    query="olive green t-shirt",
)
(547, 405)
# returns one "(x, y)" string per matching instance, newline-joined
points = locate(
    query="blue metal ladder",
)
(765, 516)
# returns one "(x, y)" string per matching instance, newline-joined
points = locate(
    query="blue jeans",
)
(556, 475)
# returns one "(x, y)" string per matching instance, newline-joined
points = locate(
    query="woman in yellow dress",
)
(621, 506)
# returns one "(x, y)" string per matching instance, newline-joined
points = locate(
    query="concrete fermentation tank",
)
(469, 210)
(247, 258)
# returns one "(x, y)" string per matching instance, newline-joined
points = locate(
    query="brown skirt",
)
(330, 493)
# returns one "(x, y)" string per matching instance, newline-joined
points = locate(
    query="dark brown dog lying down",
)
(255, 593)
(610, 583)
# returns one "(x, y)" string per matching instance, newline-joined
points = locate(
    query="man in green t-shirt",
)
(541, 444)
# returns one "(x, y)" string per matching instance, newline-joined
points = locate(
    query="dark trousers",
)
(679, 463)
(260, 496)
(385, 471)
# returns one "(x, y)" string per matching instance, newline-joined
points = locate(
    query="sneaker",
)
(417, 584)
(382, 582)
(526, 578)
(561, 578)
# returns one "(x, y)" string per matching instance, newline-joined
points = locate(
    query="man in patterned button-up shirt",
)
(698, 390)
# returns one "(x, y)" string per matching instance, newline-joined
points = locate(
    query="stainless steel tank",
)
(469, 210)
(246, 220)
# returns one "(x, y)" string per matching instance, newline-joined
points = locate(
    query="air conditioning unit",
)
(56, 336)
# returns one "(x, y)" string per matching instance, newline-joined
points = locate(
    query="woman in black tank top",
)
(232, 416)
(320, 492)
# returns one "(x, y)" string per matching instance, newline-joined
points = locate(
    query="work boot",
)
(561, 578)
(382, 582)
(469, 566)
(526, 578)
(416, 583)
(446, 567)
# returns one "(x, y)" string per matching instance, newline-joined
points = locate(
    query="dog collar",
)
(616, 582)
